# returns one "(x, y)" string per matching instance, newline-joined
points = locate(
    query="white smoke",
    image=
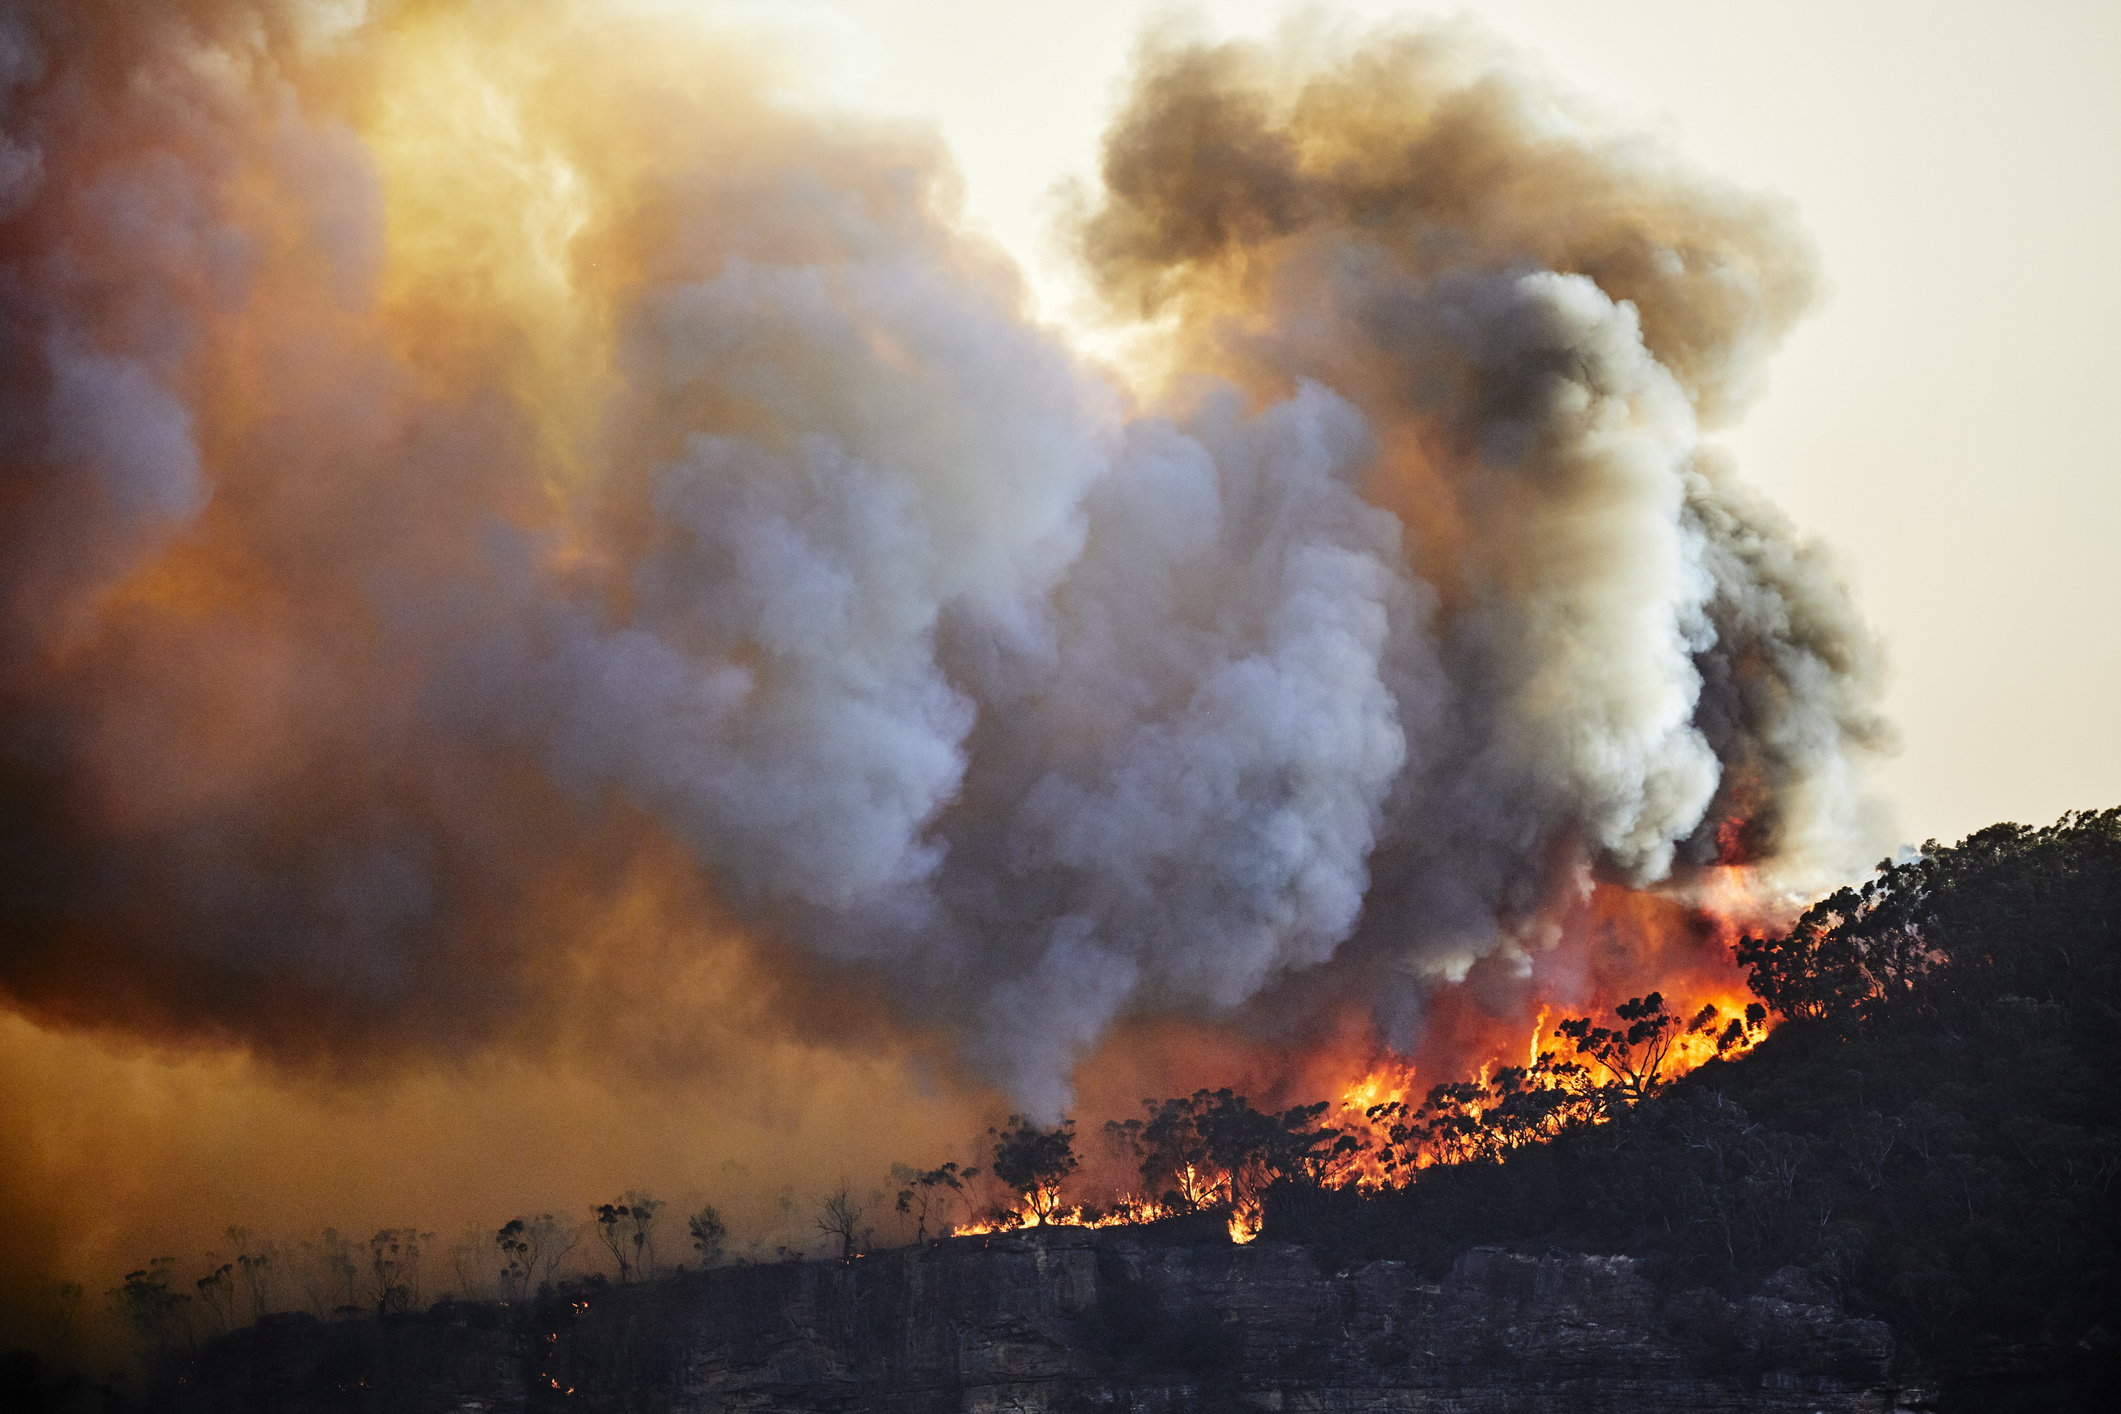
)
(942, 662)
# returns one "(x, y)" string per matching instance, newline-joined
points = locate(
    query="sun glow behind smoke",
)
(534, 544)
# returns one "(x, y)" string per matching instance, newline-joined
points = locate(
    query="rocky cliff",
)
(1071, 1320)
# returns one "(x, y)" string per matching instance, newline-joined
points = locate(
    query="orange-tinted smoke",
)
(531, 544)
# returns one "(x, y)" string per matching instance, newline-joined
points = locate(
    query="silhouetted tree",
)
(708, 1232)
(1213, 1148)
(329, 1275)
(394, 1269)
(469, 1257)
(627, 1231)
(609, 1218)
(518, 1258)
(923, 1191)
(531, 1251)
(217, 1293)
(555, 1240)
(838, 1215)
(1256, 1149)
(1171, 1150)
(643, 1215)
(257, 1265)
(150, 1308)
(1033, 1163)
(1815, 971)
(1633, 1057)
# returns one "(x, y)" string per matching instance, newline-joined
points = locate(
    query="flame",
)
(1391, 1083)
(1247, 1218)
(1624, 944)
(1677, 946)
(1539, 1025)
(1618, 944)
(1380, 1087)
(1611, 945)
(1126, 1211)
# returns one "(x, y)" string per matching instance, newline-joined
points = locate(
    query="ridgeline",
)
(1904, 1197)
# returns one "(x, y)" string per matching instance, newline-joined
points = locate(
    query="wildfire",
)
(543, 511)
(1389, 1083)
(1247, 1217)
(1126, 1211)
(1380, 1103)
(1494, 1109)
(1639, 990)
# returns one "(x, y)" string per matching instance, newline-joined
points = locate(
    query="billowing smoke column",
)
(1632, 669)
(454, 454)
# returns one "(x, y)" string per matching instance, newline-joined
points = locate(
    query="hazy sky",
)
(1943, 420)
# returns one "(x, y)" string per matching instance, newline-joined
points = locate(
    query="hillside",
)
(1934, 1134)
(1161, 1318)
(1902, 1197)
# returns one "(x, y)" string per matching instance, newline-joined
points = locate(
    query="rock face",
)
(1076, 1321)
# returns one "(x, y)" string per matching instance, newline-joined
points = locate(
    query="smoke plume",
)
(480, 477)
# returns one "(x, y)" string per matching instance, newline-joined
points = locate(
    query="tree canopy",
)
(2008, 911)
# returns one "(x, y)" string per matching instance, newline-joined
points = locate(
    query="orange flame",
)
(1126, 1211)
(1627, 944)
(1617, 944)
